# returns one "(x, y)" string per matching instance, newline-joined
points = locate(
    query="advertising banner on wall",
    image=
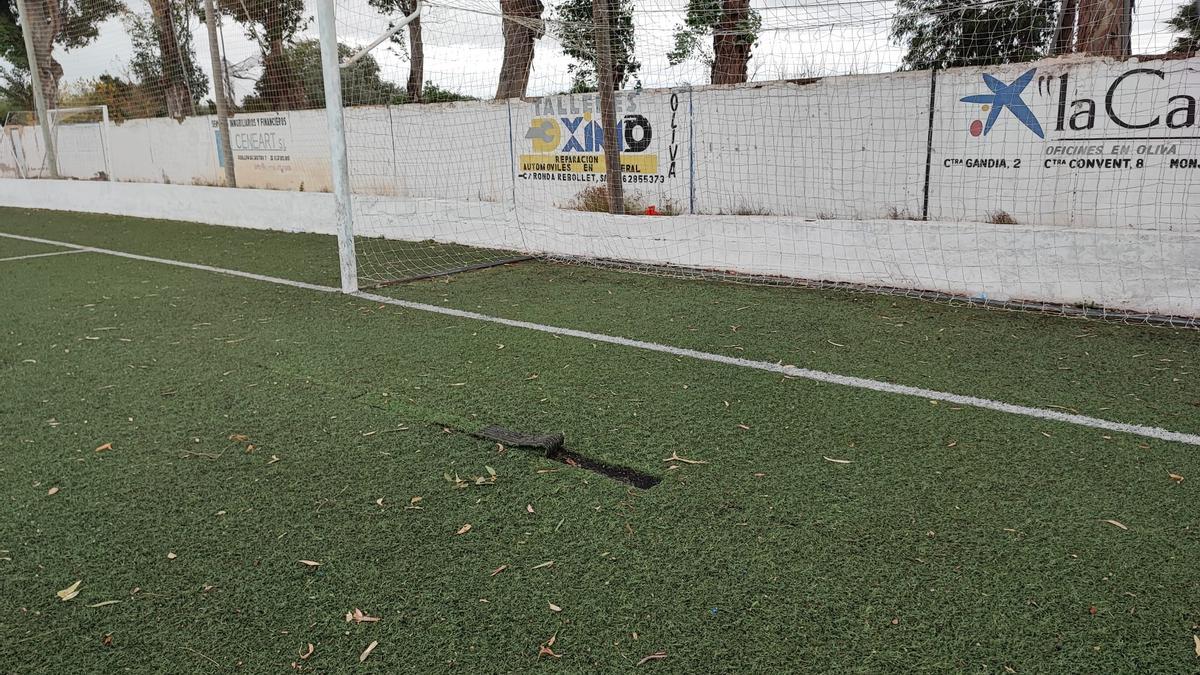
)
(558, 147)
(1090, 142)
(269, 151)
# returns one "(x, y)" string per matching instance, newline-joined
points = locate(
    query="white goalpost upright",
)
(331, 70)
(338, 159)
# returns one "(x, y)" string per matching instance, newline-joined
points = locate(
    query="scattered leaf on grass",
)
(367, 652)
(554, 607)
(1175, 477)
(498, 570)
(743, 427)
(676, 458)
(545, 648)
(545, 564)
(70, 591)
(1116, 523)
(274, 458)
(239, 438)
(357, 616)
(106, 446)
(52, 491)
(464, 529)
(656, 656)
(529, 508)
(836, 461)
(171, 556)
(1196, 639)
(305, 653)
(412, 503)
(106, 640)
(311, 564)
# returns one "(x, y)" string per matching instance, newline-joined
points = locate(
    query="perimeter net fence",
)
(1022, 152)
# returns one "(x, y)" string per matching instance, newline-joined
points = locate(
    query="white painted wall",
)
(1127, 269)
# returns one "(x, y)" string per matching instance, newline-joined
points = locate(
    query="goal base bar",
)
(456, 270)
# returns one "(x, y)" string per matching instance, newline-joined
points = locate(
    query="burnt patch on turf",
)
(552, 446)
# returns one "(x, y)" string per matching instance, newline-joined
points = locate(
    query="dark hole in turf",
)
(552, 444)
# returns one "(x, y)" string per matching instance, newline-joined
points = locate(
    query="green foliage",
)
(952, 33)
(575, 30)
(361, 82)
(273, 24)
(693, 37)
(15, 91)
(125, 100)
(432, 93)
(1187, 22)
(147, 65)
(81, 21)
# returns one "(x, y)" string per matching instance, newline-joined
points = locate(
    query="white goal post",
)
(80, 143)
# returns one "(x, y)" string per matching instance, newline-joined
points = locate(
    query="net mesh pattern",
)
(1024, 153)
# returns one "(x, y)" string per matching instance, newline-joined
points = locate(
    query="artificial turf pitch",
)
(253, 426)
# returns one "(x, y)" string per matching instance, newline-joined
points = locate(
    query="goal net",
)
(1003, 150)
(1027, 153)
(81, 134)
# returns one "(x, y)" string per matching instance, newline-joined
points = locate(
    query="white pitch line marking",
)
(44, 255)
(790, 371)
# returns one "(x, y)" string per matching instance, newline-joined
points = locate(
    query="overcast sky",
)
(463, 42)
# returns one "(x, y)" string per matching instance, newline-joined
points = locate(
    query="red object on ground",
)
(651, 211)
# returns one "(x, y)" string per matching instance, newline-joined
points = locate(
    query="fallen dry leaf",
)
(743, 427)
(305, 653)
(357, 616)
(545, 648)
(464, 529)
(656, 656)
(105, 603)
(554, 607)
(311, 564)
(239, 438)
(546, 651)
(1175, 477)
(274, 458)
(367, 652)
(836, 461)
(70, 591)
(379, 502)
(498, 570)
(52, 491)
(529, 508)
(106, 446)
(106, 640)
(545, 564)
(676, 458)
(1196, 639)
(1115, 523)
(171, 556)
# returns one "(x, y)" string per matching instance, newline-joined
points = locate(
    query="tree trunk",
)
(282, 89)
(731, 46)
(44, 23)
(416, 58)
(1064, 34)
(1104, 27)
(174, 84)
(521, 25)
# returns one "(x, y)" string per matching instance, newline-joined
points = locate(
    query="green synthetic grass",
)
(956, 539)
(11, 248)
